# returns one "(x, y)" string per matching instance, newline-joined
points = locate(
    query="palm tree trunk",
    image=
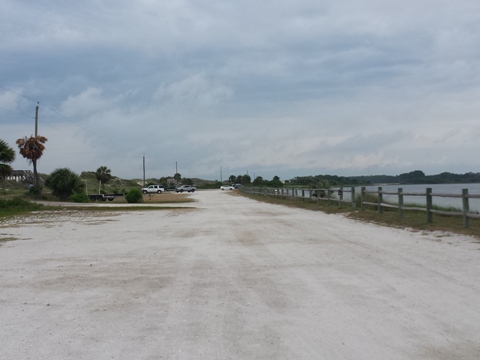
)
(35, 175)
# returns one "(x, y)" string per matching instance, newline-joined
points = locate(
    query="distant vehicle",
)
(227, 187)
(171, 188)
(236, 186)
(153, 189)
(188, 188)
(103, 197)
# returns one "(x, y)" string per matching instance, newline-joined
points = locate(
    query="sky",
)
(218, 88)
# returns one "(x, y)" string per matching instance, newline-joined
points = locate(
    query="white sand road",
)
(234, 279)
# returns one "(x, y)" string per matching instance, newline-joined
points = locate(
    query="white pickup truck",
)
(188, 188)
(153, 189)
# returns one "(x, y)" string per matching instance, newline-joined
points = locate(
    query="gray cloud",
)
(273, 88)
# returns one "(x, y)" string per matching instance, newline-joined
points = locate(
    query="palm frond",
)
(32, 148)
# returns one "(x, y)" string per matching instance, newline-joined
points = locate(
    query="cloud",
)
(193, 91)
(277, 88)
(90, 101)
(12, 100)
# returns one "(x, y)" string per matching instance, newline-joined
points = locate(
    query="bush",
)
(134, 196)
(80, 198)
(63, 183)
(35, 191)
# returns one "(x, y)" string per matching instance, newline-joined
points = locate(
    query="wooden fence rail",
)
(336, 196)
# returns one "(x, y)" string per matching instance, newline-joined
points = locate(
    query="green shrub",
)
(35, 191)
(80, 198)
(64, 183)
(134, 196)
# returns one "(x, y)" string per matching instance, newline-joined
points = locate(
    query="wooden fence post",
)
(466, 208)
(363, 199)
(400, 203)
(354, 204)
(380, 200)
(429, 205)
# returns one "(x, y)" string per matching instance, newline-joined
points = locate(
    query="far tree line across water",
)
(413, 177)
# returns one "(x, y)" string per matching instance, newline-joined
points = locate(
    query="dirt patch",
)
(234, 279)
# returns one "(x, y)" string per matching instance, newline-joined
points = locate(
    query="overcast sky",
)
(287, 88)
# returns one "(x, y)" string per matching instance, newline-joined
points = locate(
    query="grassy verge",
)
(164, 198)
(415, 220)
(16, 206)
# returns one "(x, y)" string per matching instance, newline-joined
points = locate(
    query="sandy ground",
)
(234, 279)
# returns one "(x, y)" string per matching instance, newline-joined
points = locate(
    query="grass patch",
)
(115, 208)
(19, 206)
(415, 220)
(16, 206)
(164, 198)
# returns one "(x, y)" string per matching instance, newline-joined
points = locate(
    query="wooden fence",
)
(336, 196)
(428, 209)
(330, 196)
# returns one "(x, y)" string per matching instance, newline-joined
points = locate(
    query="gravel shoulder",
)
(231, 278)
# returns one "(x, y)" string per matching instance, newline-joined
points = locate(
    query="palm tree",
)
(177, 177)
(103, 174)
(7, 155)
(32, 149)
(258, 181)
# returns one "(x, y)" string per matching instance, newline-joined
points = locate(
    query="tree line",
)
(413, 177)
(64, 183)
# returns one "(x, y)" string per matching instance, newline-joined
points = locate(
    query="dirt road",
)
(234, 279)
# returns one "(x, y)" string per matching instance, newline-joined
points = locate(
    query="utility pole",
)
(36, 120)
(176, 168)
(221, 180)
(143, 170)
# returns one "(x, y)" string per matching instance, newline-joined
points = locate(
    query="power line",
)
(102, 137)
(26, 97)
(16, 112)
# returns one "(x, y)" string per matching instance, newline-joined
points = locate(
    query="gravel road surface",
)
(231, 278)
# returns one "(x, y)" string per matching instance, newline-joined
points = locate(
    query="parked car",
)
(153, 189)
(188, 188)
(227, 187)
